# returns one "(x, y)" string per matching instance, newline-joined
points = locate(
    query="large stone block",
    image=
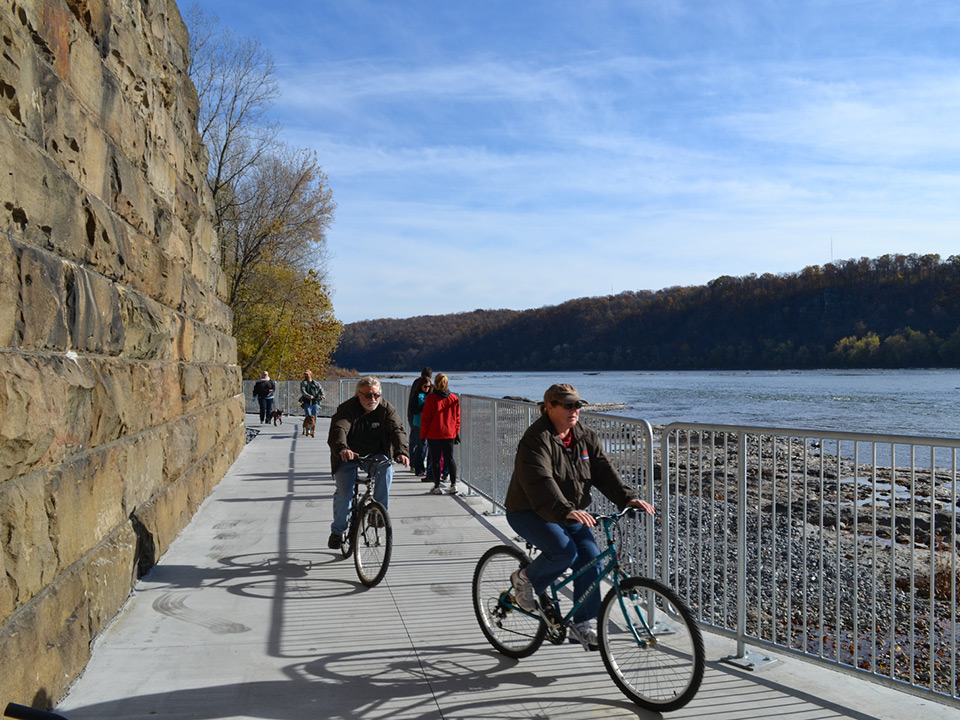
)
(93, 313)
(142, 468)
(149, 328)
(46, 644)
(20, 70)
(45, 406)
(43, 323)
(85, 497)
(160, 520)
(29, 552)
(9, 291)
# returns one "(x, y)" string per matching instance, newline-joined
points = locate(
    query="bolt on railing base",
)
(750, 660)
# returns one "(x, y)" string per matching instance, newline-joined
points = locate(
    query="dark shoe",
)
(335, 541)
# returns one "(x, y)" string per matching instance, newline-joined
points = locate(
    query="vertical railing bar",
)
(874, 601)
(822, 502)
(741, 545)
(855, 633)
(836, 589)
(759, 541)
(773, 540)
(698, 557)
(912, 546)
(788, 640)
(893, 564)
(954, 670)
(932, 622)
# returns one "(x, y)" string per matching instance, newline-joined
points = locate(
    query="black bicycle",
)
(648, 638)
(369, 533)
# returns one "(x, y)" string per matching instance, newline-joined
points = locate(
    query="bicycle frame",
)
(609, 560)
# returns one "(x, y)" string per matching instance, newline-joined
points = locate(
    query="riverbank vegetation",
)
(894, 311)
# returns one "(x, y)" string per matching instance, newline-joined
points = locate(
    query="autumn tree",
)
(272, 207)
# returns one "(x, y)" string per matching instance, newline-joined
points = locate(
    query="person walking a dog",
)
(311, 394)
(263, 392)
(366, 424)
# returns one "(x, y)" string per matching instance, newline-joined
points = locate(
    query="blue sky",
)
(495, 154)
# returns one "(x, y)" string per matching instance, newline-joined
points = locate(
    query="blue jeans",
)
(311, 409)
(561, 547)
(266, 407)
(418, 450)
(345, 478)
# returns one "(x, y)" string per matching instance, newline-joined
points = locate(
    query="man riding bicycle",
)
(557, 463)
(366, 424)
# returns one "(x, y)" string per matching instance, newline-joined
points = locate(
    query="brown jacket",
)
(552, 480)
(393, 438)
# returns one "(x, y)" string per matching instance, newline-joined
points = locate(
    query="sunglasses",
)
(570, 406)
(370, 396)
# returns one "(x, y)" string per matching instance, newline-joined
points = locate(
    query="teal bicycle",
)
(648, 638)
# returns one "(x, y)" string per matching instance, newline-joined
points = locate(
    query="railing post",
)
(744, 658)
(495, 470)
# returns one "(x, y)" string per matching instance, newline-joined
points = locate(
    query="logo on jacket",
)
(584, 455)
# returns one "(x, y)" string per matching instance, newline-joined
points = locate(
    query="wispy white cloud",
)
(488, 148)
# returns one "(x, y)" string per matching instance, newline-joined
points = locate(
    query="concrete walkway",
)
(250, 616)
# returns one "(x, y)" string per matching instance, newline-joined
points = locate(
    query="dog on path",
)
(277, 417)
(309, 425)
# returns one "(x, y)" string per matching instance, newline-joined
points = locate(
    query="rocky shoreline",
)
(855, 563)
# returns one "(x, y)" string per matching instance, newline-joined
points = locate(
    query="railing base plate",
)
(750, 660)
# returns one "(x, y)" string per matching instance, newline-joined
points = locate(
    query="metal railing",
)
(287, 397)
(839, 547)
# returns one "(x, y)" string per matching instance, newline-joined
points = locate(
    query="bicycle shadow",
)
(430, 683)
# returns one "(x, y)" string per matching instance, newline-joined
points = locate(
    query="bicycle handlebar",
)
(22, 712)
(619, 514)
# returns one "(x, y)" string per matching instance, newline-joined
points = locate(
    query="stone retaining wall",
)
(120, 402)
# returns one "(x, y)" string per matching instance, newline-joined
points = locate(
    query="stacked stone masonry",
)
(120, 398)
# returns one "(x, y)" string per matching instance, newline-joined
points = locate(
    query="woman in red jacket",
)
(440, 426)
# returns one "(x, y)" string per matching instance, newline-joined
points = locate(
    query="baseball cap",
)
(562, 393)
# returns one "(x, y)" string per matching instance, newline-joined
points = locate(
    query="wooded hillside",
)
(892, 311)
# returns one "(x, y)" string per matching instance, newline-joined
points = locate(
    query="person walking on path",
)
(558, 461)
(418, 445)
(366, 424)
(440, 425)
(263, 391)
(413, 408)
(311, 394)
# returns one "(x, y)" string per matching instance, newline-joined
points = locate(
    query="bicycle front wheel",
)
(511, 631)
(650, 644)
(372, 544)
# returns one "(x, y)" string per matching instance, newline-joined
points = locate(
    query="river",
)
(900, 402)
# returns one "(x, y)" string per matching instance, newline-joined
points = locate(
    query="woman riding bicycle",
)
(557, 463)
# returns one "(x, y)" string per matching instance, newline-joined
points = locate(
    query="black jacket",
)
(393, 438)
(552, 480)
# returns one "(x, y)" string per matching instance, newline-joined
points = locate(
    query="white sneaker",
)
(589, 634)
(453, 489)
(437, 490)
(523, 591)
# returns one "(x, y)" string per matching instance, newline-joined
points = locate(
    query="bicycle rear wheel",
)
(650, 644)
(510, 630)
(372, 544)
